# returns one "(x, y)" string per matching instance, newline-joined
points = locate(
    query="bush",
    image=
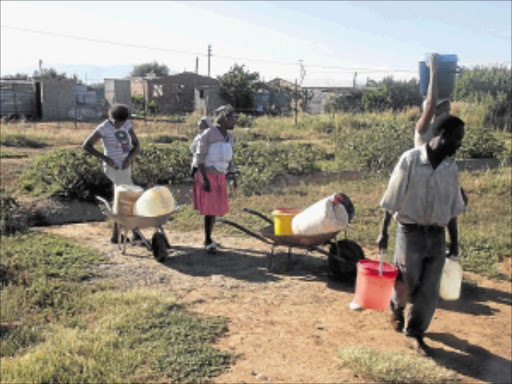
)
(374, 149)
(74, 174)
(67, 174)
(263, 164)
(480, 143)
(19, 140)
(9, 222)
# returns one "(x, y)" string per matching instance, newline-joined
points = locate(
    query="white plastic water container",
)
(324, 216)
(156, 201)
(451, 280)
(125, 196)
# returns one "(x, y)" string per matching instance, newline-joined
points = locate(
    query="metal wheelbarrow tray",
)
(159, 242)
(342, 255)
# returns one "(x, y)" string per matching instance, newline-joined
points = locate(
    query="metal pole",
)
(296, 100)
(209, 55)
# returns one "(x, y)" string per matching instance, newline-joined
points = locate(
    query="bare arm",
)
(134, 151)
(432, 97)
(206, 181)
(382, 240)
(88, 147)
(454, 237)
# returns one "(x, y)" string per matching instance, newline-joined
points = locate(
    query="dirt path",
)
(287, 326)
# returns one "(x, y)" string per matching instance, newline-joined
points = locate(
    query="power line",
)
(235, 58)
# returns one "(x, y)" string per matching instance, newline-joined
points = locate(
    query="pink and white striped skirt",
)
(213, 203)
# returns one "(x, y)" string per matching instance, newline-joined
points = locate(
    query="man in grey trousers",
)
(423, 196)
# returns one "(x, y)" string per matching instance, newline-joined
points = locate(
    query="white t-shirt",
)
(117, 143)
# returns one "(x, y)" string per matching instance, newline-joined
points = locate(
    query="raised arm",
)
(432, 97)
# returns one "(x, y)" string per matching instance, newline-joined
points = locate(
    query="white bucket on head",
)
(156, 201)
(125, 196)
(324, 216)
(451, 280)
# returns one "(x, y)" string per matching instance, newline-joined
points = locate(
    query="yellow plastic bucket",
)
(283, 220)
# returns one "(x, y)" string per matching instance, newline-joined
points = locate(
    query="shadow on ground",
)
(471, 360)
(251, 265)
(474, 298)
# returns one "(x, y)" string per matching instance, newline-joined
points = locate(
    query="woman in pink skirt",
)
(215, 161)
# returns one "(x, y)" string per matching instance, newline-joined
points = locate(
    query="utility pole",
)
(209, 55)
(197, 65)
(296, 100)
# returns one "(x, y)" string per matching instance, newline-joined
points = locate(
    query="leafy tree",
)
(238, 86)
(52, 73)
(343, 103)
(492, 87)
(141, 70)
(392, 94)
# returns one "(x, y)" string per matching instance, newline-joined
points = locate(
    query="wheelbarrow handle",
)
(243, 229)
(104, 202)
(260, 215)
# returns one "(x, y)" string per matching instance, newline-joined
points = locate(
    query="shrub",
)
(9, 222)
(375, 149)
(480, 143)
(18, 140)
(74, 174)
(263, 164)
(67, 174)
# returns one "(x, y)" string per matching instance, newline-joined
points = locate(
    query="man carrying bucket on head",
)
(424, 196)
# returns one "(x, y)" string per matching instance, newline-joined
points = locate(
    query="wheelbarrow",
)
(159, 244)
(342, 255)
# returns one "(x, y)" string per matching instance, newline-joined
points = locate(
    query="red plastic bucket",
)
(374, 291)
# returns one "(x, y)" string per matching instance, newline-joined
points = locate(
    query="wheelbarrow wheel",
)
(343, 266)
(159, 246)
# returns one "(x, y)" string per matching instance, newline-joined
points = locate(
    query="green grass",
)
(394, 367)
(76, 330)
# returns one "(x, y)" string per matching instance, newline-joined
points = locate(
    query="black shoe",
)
(397, 319)
(421, 347)
(113, 239)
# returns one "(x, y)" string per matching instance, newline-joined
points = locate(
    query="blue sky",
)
(333, 39)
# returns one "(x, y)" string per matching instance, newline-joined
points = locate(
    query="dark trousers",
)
(420, 257)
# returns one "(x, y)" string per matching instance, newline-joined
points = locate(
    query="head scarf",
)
(206, 120)
(223, 112)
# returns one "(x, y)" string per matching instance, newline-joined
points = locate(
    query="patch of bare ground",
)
(287, 325)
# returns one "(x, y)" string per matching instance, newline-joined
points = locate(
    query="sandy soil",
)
(288, 325)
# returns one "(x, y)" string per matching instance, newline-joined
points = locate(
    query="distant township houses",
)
(63, 99)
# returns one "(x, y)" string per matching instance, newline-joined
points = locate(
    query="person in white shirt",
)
(120, 146)
(215, 163)
(203, 124)
(424, 197)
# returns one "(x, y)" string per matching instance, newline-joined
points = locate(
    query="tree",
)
(491, 87)
(238, 87)
(52, 73)
(141, 70)
(392, 94)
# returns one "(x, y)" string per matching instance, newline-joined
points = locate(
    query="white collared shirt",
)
(419, 194)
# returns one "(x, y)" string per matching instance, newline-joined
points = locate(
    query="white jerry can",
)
(156, 201)
(451, 280)
(324, 216)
